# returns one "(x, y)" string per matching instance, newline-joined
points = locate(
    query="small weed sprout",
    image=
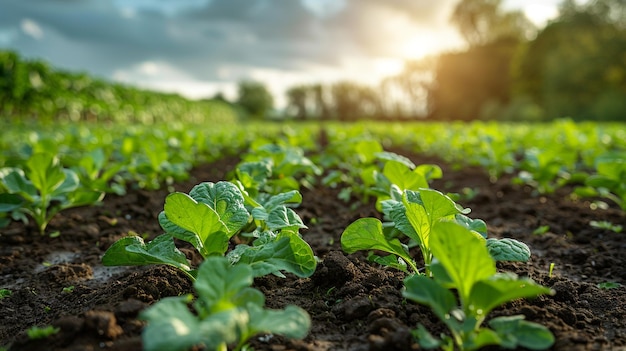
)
(609, 285)
(5, 293)
(41, 332)
(541, 230)
(606, 225)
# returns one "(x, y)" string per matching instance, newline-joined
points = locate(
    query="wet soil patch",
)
(354, 304)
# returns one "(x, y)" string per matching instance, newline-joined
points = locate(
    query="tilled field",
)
(354, 304)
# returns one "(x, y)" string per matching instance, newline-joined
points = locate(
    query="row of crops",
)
(43, 172)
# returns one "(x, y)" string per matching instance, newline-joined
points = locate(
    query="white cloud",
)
(197, 45)
(31, 28)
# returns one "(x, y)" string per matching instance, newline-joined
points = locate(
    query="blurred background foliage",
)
(510, 70)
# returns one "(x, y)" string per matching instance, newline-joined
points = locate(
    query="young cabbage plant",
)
(228, 312)
(208, 218)
(608, 182)
(414, 216)
(41, 190)
(463, 263)
(272, 169)
(96, 172)
(400, 174)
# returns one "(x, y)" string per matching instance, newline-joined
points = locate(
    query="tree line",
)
(573, 67)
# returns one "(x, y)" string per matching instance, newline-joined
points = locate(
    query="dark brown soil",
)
(354, 304)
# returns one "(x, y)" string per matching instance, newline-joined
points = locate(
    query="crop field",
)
(313, 236)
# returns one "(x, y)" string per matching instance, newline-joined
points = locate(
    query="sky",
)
(198, 48)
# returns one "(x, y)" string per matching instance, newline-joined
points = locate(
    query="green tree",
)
(14, 82)
(483, 21)
(351, 101)
(406, 94)
(576, 67)
(467, 83)
(297, 102)
(255, 99)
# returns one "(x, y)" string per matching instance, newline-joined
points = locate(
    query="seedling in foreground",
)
(228, 312)
(207, 218)
(551, 269)
(462, 262)
(414, 216)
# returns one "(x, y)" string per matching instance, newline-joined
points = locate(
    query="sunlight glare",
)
(418, 47)
(388, 66)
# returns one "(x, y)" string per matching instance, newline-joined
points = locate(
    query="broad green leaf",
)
(367, 234)
(10, 202)
(477, 225)
(15, 182)
(83, 198)
(426, 291)
(132, 251)
(396, 211)
(284, 218)
(490, 293)
(432, 207)
(226, 200)
(199, 219)
(293, 197)
(402, 176)
(392, 156)
(294, 162)
(612, 165)
(463, 254)
(253, 174)
(44, 172)
(429, 172)
(482, 337)
(601, 181)
(185, 235)
(515, 331)
(292, 322)
(366, 150)
(218, 283)
(171, 326)
(284, 183)
(70, 183)
(508, 250)
(426, 339)
(288, 252)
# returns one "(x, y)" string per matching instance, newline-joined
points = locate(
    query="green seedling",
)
(35, 332)
(273, 169)
(551, 269)
(208, 218)
(606, 225)
(541, 230)
(609, 285)
(463, 263)
(42, 190)
(68, 289)
(608, 182)
(5, 293)
(228, 311)
(414, 217)
(96, 172)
